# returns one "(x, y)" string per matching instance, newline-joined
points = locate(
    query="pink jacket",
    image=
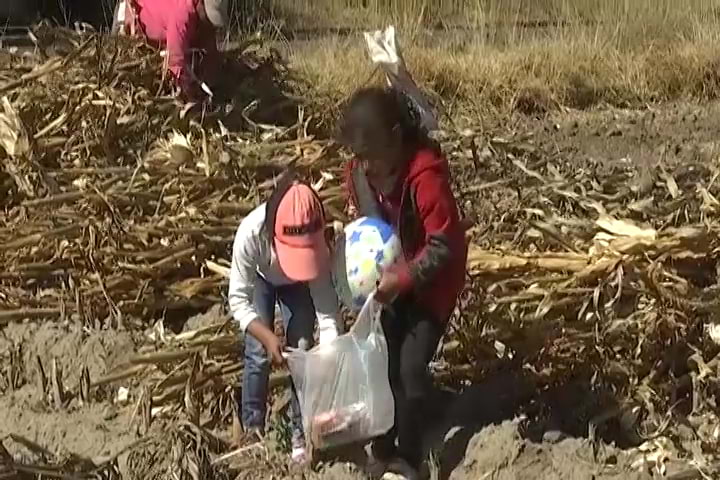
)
(176, 26)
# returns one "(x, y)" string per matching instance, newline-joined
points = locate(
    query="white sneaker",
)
(397, 476)
(399, 469)
(299, 454)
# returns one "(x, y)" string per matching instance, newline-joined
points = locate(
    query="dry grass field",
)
(499, 55)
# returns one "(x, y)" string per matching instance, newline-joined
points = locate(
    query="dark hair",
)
(373, 113)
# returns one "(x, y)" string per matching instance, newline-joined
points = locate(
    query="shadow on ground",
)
(254, 93)
(544, 418)
(500, 397)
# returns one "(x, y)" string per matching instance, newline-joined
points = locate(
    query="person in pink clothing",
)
(186, 29)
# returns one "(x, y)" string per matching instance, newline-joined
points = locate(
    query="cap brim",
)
(303, 264)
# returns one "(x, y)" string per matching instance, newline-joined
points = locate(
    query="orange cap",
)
(299, 237)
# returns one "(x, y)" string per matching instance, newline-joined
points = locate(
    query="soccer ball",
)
(366, 247)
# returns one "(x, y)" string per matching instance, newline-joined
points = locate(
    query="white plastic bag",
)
(343, 386)
(385, 52)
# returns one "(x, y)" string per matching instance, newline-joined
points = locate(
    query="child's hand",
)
(269, 340)
(275, 350)
(388, 289)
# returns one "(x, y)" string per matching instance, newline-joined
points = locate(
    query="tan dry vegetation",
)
(505, 55)
(324, 14)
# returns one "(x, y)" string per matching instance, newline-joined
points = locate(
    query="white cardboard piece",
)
(385, 51)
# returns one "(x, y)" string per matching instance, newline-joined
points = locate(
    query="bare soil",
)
(499, 452)
(72, 345)
(658, 135)
(92, 431)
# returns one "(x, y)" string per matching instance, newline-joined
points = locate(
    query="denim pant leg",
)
(256, 370)
(298, 313)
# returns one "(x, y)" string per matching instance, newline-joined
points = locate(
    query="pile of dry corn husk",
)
(120, 207)
(110, 209)
(592, 252)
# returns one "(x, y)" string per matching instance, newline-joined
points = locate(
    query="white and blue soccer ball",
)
(366, 247)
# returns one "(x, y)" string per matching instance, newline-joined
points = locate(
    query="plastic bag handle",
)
(368, 319)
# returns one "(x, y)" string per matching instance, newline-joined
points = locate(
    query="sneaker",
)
(399, 469)
(299, 454)
(392, 476)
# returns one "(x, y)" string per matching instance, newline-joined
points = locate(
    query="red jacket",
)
(428, 222)
(176, 26)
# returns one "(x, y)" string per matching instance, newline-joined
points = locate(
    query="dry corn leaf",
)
(13, 135)
(671, 185)
(625, 228)
(710, 204)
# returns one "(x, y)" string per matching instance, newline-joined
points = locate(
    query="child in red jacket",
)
(187, 30)
(401, 176)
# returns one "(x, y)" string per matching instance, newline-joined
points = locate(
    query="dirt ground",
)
(92, 431)
(667, 134)
(494, 430)
(500, 452)
(479, 435)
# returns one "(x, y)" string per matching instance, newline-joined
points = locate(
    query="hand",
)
(275, 350)
(388, 289)
(269, 340)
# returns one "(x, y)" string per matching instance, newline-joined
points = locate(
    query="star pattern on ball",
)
(355, 236)
(369, 246)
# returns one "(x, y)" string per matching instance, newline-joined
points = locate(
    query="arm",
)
(211, 59)
(181, 27)
(326, 308)
(438, 214)
(242, 278)
(242, 286)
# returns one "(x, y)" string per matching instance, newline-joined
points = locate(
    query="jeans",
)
(298, 315)
(413, 335)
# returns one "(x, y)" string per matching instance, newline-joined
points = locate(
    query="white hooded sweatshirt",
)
(252, 255)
